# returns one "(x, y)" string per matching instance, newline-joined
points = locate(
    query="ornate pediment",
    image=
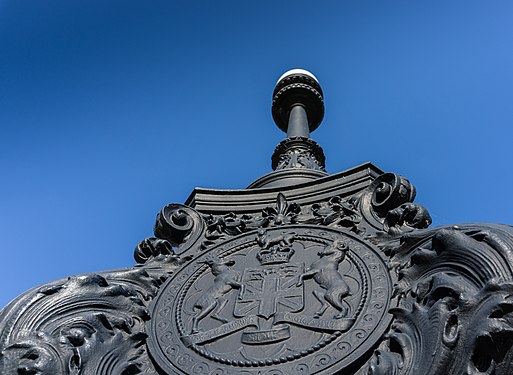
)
(300, 273)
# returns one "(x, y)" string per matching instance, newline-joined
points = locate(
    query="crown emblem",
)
(275, 250)
(274, 255)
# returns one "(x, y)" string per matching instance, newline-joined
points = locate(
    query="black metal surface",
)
(298, 123)
(303, 273)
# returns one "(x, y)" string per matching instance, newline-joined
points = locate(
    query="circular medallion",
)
(294, 299)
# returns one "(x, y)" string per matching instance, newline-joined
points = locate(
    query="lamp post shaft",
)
(298, 123)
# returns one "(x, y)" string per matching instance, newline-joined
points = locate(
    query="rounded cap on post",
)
(298, 87)
(297, 71)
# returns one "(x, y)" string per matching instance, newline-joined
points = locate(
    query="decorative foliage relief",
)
(91, 324)
(455, 307)
(452, 303)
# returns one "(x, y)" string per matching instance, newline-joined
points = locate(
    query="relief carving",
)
(225, 279)
(255, 292)
(177, 229)
(455, 311)
(91, 324)
(298, 153)
(325, 273)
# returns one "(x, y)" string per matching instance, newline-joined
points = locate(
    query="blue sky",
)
(111, 109)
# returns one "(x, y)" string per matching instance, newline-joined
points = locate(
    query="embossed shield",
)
(271, 289)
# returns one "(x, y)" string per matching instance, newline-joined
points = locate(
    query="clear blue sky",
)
(111, 109)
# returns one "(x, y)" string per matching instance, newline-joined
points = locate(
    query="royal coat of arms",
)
(287, 298)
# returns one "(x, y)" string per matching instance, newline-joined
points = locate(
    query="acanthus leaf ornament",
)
(455, 307)
(298, 153)
(90, 324)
